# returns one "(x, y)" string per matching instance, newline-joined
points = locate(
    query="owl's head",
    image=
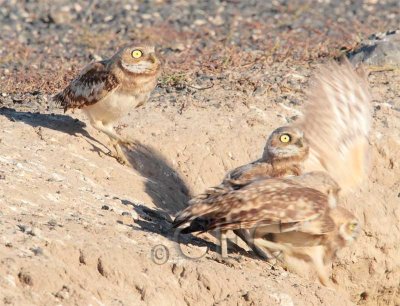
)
(139, 60)
(286, 143)
(348, 225)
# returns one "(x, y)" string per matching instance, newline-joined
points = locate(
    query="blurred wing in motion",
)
(336, 124)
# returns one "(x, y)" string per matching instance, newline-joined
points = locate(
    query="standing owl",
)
(107, 90)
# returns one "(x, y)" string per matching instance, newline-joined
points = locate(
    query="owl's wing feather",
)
(93, 84)
(261, 202)
(336, 124)
(234, 180)
(249, 171)
(210, 193)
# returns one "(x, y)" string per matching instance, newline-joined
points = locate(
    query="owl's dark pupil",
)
(285, 138)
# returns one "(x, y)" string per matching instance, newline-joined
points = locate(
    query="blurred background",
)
(44, 43)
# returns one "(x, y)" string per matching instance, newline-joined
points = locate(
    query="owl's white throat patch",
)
(287, 151)
(345, 235)
(141, 67)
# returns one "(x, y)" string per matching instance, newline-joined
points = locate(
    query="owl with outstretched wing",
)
(336, 124)
(331, 137)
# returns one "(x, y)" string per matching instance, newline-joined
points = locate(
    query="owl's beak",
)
(299, 143)
(153, 58)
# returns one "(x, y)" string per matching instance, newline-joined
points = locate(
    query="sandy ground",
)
(78, 228)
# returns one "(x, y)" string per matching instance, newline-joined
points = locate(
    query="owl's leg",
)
(272, 245)
(115, 139)
(105, 127)
(246, 237)
(121, 158)
(317, 256)
(223, 249)
(223, 244)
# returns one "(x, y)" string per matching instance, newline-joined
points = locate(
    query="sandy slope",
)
(78, 228)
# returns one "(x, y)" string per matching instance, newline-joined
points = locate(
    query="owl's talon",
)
(126, 143)
(120, 159)
(119, 154)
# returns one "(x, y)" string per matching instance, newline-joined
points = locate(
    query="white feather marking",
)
(140, 67)
(114, 106)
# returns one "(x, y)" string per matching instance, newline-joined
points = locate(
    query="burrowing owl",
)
(284, 154)
(294, 215)
(317, 249)
(107, 90)
(336, 136)
(332, 136)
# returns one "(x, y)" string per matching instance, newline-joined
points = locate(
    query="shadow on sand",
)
(61, 123)
(163, 184)
(169, 193)
(159, 222)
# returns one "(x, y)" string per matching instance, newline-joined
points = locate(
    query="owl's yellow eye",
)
(136, 53)
(285, 138)
(352, 226)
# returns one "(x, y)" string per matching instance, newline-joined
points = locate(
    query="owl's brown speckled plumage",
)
(280, 159)
(260, 202)
(244, 203)
(107, 90)
(295, 215)
(316, 250)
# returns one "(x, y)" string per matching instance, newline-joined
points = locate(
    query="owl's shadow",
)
(57, 122)
(170, 194)
(164, 185)
(159, 222)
